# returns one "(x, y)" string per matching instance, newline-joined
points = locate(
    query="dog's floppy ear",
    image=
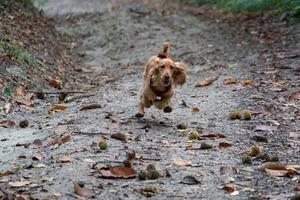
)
(180, 73)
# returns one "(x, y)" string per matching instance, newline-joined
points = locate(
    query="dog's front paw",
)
(139, 115)
(168, 109)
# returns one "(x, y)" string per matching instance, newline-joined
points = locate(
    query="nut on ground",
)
(234, 115)
(193, 135)
(103, 145)
(247, 114)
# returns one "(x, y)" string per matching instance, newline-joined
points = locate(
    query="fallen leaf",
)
(119, 136)
(80, 190)
(247, 82)
(206, 82)
(195, 109)
(229, 80)
(224, 145)
(20, 91)
(90, 106)
(272, 165)
(276, 173)
(295, 96)
(19, 183)
(263, 128)
(64, 159)
(211, 136)
(24, 101)
(55, 83)
(148, 191)
(228, 188)
(228, 170)
(254, 150)
(190, 180)
(66, 138)
(117, 172)
(181, 162)
(37, 157)
(7, 123)
(278, 89)
(57, 107)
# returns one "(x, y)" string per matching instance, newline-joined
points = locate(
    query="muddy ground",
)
(115, 40)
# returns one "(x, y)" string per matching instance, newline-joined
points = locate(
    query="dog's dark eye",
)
(162, 66)
(172, 67)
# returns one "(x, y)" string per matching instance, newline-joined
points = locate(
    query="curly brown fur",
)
(160, 76)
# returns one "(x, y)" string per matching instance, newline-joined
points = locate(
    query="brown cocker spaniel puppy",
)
(160, 76)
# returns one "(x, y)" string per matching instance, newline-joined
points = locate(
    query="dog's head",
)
(168, 72)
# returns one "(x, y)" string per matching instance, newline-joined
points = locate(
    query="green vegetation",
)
(8, 3)
(18, 53)
(254, 5)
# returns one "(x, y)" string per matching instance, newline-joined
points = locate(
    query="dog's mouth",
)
(166, 82)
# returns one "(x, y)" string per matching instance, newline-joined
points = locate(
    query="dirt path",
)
(117, 39)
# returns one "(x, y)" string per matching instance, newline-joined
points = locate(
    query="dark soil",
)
(115, 40)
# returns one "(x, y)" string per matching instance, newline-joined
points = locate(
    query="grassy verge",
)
(8, 3)
(19, 53)
(292, 6)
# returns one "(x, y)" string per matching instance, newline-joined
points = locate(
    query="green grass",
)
(8, 3)
(19, 53)
(293, 6)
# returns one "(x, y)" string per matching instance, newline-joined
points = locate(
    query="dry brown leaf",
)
(229, 80)
(206, 82)
(20, 91)
(66, 138)
(117, 172)
(57, 107)
(90, 106)
(228, 188)
(254, 150)
(211, 136)
(19, 183)
(272, 165)
(23, 101)
(181, 162)
(64, 159)
(55, 83)
(7, 123)
(228, 170)
(247, 82)
(195, 109)
(224, 145)
(278, 173)
(295, 96)
(81, 191)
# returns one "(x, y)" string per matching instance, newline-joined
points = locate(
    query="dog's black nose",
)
(167, 77)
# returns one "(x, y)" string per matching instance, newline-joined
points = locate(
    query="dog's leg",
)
(141, 110)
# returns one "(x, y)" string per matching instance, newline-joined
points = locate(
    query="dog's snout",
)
(167, 76)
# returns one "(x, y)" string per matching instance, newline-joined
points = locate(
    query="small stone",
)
(127, 163)
(182, 125)
(246, 159)
(153, 174)
(260, 138)
(142, 175)
(62, 96)
(103, 145)
(24, 123)
(204, 145)
(130, 155)
(247, 114)
(193, 135)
